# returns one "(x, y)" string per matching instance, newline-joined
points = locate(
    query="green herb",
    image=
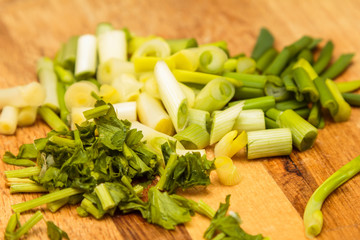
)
(54, 232)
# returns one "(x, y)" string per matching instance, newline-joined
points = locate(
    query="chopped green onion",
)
(264, 103)
(279, 93)
(230, 65)
(8, 120)
(230, 144)
(305, 84)
(352, 98)
(53, 120)
(199, 117)
(172, 96)
(126, 110)
(269, 143)
(264, 42)
(327, 100)
(128, 87)
(193, 137)
(248, 80)
(305, 65)
(50, 197)
(185, 59)
(324, 57)
(147, 64)
(215, 95)
(266, 59)
(179, 44)
(79, 95)
(344, 110)
(269, 123)
(64, 112)
(220, 44)
(303, 112)
(68, 54)
(211, 59)
(189, 94)
(85, 65)
(110, 70)
(223, 122)
(200, 78)
(313, 217)
(23, 172)
(64, 75)
(307, 55)
(248, 92)
(152, 48)
(290, 104)
(112, 44)
(246, 65)
(315, 114)
(103, 28)
(250, 120)
(152, 113)
(279, 63)
(338, 66)
(290, 86)
(349, 86)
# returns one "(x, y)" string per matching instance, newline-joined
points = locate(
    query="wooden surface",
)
(273, 192)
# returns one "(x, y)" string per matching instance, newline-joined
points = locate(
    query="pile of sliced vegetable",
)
(128, 112)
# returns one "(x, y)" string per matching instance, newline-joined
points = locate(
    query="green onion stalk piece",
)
(199, 117)
(64, 75)
(223, 121)
(22, 230)
(230, 65)
(279, 63)
(314, 43)
(338, 66)
(248, 80)
(103, 27)
(291, 86)
(179, 44)
(52, 119)
(215, 95)
(324, 57)
(264, 103)
(250, 120)
(172, 96)
(270, 124)
(305, 84)
(269, 143)
(220, 44)
(307, 55)
(303, 133)
(67, 56)
(327, 100)
(279, 93)
(112, 44)
(266, 59)
(290, 104)
(248, 92)
(147, 64)
(315, 114)
(110, 70)
(246, 65)
(200, 78)
(350, 86)
(344, 110)
(64, 112)
(304, 112)
(156, 47)
(313, 217)
(193, 137)
(211, 59)
(302, 63)
(352, 98)
(264, 42)
(86, 55)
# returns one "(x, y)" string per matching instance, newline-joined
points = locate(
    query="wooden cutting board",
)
(273, 192)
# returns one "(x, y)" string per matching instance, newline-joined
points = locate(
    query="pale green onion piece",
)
(193, 137)
(56, 205)
(8, 120)
(127, 86)
(32, 94)
(350, 86)
(182, 152)
(248, 80)
(173, 98)
(103, 194)
(136, 41)
(126, 111)
(103, 27)
(152, 114)
(77, 116)
(147, 64)
(201, 78)
(250, 120)
(85, 65)
(150, 86)
(223, 122)
(79, 95)
(177, 45)
(112, 44)
(215, 95)
(344, 110)
(230, 65)
(279, 93)
(185, 60)
(48, 80)
(211, 59)
(302, 63)
(199, 117)
(113, 68)
(109, 94)
(68, 54)
(246, 65)
(230, 144)
(153, 48)
(189, 93)
(269, 143)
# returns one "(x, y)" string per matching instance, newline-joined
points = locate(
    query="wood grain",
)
(273, 192)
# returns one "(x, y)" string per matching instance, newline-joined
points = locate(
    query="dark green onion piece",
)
(299, 45)
(64, 75)
(180, 44)
(68, 55)
(270, 124)
(349, 86)
(279, 93)
(314, 43)
(263, 103)
(193, 137)
(338, 66)
(248, 80)
(305, 84)
(303, 112)
(279, 63)
(307, 55)
(264, 42)
(290, 104)
(327, 100)
(324, 57)
(266, 59)
(64, 112)
(277, 81)
(352, 98)
(288, 69)
(315, 114)
(290, 86)
(248, 92)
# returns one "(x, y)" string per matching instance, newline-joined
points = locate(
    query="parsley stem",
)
(26, 188)
(12, 223)
(96, 112)
(52, 119)
(50, 197)
(104, 196)
(56, 205)
(23, 172)
(61, 141)
(34, 219)
(313, 217)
